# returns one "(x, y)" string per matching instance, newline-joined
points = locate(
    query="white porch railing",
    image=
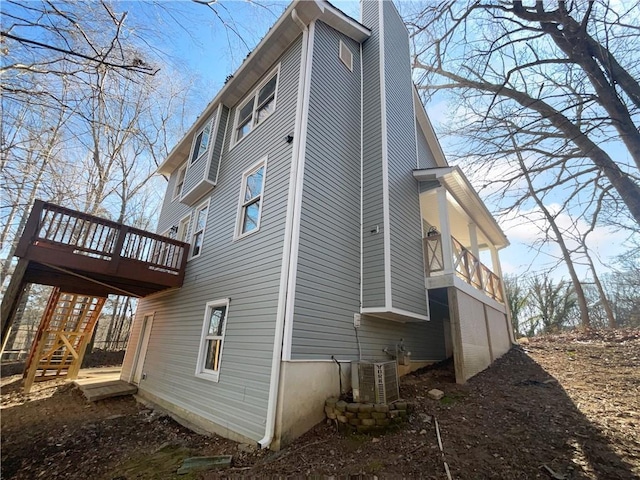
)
(464, 264)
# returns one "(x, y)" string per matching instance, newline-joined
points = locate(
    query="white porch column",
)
(473, 238)
(445, 230)
(497, 269)
(495, 262)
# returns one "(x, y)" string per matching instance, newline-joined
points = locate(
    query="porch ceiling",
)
(464, 206)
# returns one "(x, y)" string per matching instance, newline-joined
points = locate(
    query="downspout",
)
(274, 383)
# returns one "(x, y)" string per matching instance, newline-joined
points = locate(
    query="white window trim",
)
(187, 217)
(254, 94)
(210, 121)
(343, 48)
(201, 372)
(239, 217)
(178, 192)
(194, 218)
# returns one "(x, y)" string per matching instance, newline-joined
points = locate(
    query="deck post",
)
(117, 250)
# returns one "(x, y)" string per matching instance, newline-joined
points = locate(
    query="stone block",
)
(378, 415)
(328, 410)
(366, 407)
(353, 407)
(369, 421)
(400, 406)
(332, 416)
(435, 394)
(331, 402)
(341, 406)
(381, 407)
(383, 422)
(355, 421)
(343, 419)
(364, 415)
(350, 415)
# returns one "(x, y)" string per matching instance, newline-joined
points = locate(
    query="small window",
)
(346, 56)
(250, 207)
(201, 142)
(183, 229)
(182, 173)
(257, 108)
(199, 224)
(213, 328)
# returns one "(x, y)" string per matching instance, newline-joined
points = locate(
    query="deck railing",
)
(83, 234)
(465, 265)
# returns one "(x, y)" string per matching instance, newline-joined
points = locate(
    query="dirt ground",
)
(563, 407)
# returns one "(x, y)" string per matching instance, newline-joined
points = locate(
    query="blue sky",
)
(207, 53)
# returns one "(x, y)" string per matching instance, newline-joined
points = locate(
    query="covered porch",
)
(460, 236)
(461, 240)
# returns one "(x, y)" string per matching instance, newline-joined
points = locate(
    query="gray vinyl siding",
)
(407, 275)
(216, 154)
(373, 284)
(328, 272)
(172, 210)
(246, 270)
(425, 155)
(428, 185)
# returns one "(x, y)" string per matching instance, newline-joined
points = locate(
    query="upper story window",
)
(257, 108)
(199, 225)
(201, 142)
(177, 189)
(251, 192)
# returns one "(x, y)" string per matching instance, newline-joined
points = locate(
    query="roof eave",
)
(281, 35)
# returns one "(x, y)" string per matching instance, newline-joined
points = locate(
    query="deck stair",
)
(65, 330)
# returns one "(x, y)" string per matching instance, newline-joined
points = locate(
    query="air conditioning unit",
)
(375, 382)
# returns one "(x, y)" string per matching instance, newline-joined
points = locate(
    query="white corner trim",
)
(361, 175)
(297, 212)
(385, 166)
(279, 335)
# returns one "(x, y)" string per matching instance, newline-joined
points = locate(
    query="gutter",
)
(274, 383)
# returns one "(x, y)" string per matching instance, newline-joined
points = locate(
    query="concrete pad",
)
(95, 391)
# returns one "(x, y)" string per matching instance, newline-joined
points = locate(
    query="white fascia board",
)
(261, 59)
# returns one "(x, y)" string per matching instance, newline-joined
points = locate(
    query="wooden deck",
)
(89, 255)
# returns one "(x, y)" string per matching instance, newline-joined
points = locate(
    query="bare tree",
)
(552, 303)
(568, 71)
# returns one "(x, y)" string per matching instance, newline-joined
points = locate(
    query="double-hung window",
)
(201, 142)
(199, 224)
(251, 192)
(211, 340)
(182, 173)
(257, 108)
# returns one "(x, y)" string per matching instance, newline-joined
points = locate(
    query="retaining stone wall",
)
(366, 417)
